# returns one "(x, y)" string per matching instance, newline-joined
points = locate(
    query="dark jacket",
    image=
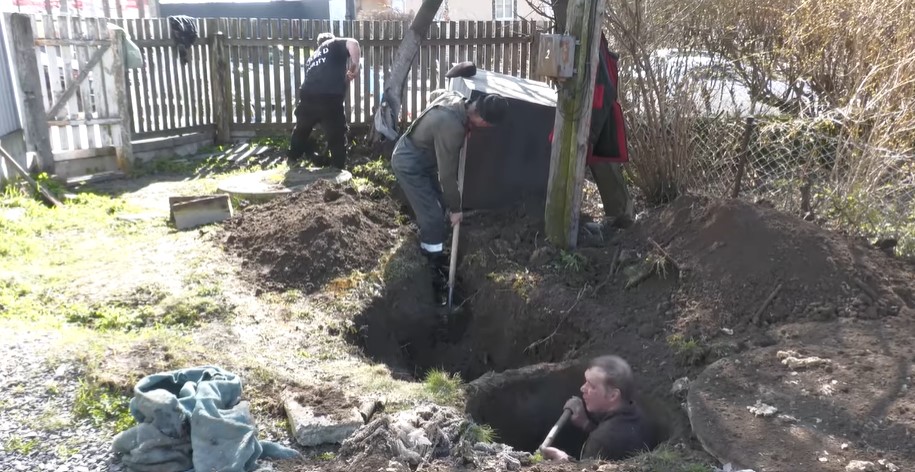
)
(620, 434)
(325, 70)
(184, 32)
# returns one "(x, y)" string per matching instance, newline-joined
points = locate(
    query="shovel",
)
(452, 268)
(548, 441)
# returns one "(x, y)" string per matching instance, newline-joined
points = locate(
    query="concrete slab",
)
(191, 212)
(312, 427)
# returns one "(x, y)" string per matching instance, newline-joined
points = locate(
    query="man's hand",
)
(579, 417)
(456, 218)
(553, 454)
(350, 75)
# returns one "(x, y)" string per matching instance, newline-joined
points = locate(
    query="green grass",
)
(445, 388)
(20, 445)
(687, 351)
(102, 406)
(667, 459)
(477, 433)
(570, 262)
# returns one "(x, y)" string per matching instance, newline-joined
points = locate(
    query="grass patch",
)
(21, 446)
(667, 459)
(103, 406)
(444, 387)
(687, 351)
(570, 261)
(480, 433)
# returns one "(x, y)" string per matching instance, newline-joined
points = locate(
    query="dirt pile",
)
(309, 238)
(745, 264)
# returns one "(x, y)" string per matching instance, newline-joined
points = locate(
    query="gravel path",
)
(37, 430)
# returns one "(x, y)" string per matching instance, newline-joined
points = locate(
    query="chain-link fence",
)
(808, 167)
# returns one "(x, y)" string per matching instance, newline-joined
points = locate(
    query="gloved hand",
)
(579, 416)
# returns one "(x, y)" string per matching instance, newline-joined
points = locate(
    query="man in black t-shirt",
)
(617, 428)
(321, 98)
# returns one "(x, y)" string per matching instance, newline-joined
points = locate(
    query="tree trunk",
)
(389, 109)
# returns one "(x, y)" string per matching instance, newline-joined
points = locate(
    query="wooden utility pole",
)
(573, 125)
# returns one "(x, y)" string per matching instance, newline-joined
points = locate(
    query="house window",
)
(504, 9)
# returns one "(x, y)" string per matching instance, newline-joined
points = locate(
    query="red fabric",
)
(598, 102)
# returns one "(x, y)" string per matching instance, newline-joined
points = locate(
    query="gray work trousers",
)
(614, 193)
(417, 173)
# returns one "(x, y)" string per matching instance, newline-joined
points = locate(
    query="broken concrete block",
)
(761, 409)
(311, 428)
(860, 466)
(680, 387)
(190, 212)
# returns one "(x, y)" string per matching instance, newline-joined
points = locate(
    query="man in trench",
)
(425, 162)
(617, 428)
(321, 99)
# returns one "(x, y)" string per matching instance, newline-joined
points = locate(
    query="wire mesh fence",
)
(808, 167)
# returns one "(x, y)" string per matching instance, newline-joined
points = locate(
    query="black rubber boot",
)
(438, 266)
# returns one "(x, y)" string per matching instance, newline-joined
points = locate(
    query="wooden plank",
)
(203, 82)
(246, 72)
(168, 81)
(453, 33)
(571, 131)
(525, 49)
(56, 79)
(183, 74)
(307, 43)
(176, 137)
(279, 93)
(221, 87)
(238, 113)
(86, 122)
(298, 30)
(117, 73)
(34, 122)
(67, 57)
(425, 72)
(135, 86)
(89, 98)
(477, 51)
(263, 31)
(498, 53)
(98, 88)
(515, 49)
(355, 86)
(71, 42)
(376, 65)
(387, 52)
(285, 74)
(156, 76)
(79, 154)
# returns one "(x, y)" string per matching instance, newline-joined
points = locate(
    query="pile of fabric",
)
(193, 419)
(425, 435)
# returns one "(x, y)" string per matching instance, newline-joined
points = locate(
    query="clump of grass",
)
(570, 261)
(378, 172)
(667, 459)
(103, 406)
(479, 433)
(21, 446)
(687, 351)
(444, 387)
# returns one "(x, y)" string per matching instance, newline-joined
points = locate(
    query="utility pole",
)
(573, 125)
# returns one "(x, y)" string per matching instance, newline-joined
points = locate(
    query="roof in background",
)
(508, 86)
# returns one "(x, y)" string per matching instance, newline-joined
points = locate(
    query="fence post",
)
(123, 144)
(221, 87)
(744, 154)
(35, 121)
(535, 50)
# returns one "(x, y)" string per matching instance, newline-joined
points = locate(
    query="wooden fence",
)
(266, 58)
(242, 75)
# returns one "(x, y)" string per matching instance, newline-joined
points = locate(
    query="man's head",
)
(487, 111)
(325, 37)
(608, 384)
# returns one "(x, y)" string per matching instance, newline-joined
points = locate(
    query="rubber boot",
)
(438, 265)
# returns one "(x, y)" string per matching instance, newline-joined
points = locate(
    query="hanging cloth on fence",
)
(184, 31)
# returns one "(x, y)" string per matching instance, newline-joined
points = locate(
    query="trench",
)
(518, 392)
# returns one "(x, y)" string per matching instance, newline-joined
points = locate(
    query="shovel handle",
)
(566, 414)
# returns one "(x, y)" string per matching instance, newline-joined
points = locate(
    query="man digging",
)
(425, 162)
(617, 428)
(321, 99)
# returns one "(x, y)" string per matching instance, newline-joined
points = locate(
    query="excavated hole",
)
(519, 396)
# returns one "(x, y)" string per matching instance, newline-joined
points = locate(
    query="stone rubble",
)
(426, 434)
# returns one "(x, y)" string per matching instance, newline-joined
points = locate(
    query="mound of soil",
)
(807, 408)
(745, 264)
(309, 238)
